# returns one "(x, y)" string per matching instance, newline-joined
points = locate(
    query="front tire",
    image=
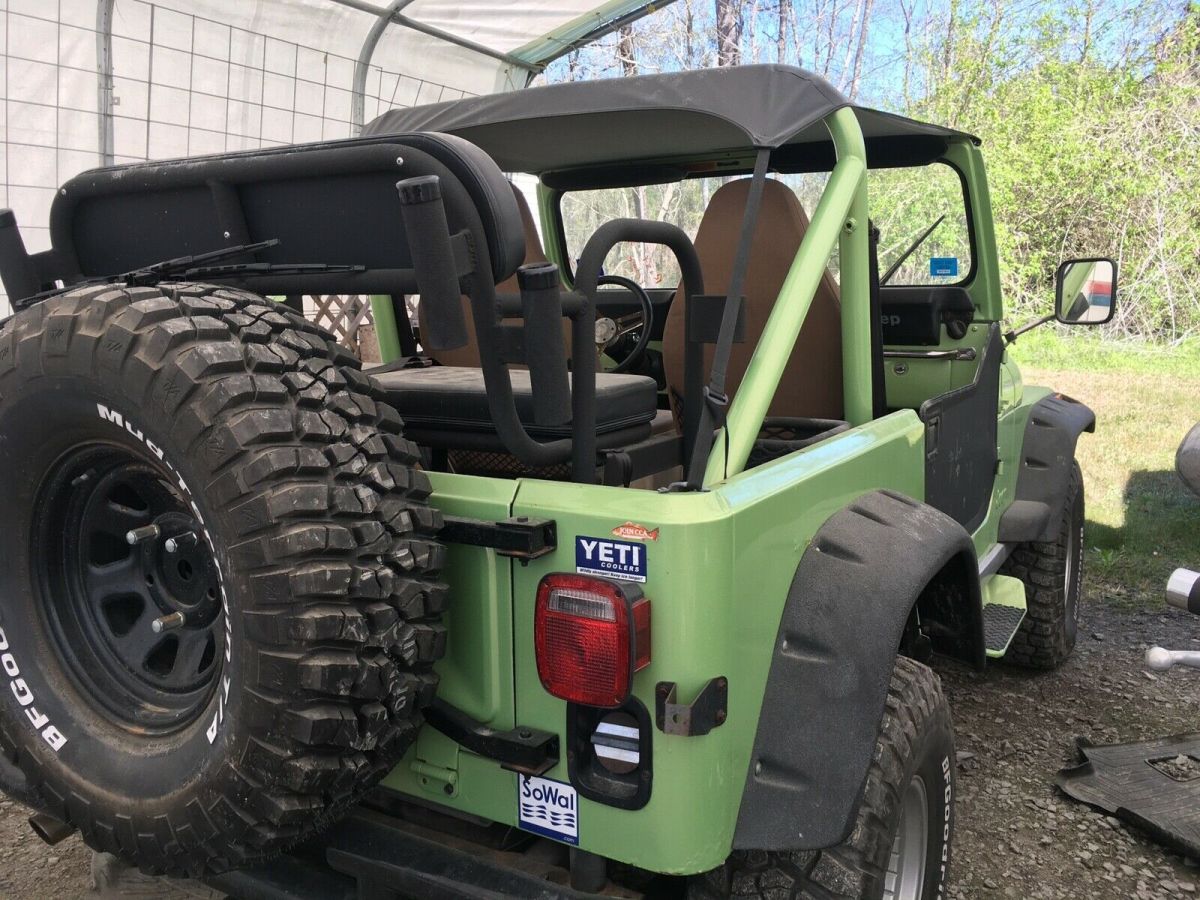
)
(899, 848)
(1053, 575)
(204, 702)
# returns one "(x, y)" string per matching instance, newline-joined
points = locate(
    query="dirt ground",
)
(1017, 837)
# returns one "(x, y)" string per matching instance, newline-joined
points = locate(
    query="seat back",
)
(468, 354)
(811, 385)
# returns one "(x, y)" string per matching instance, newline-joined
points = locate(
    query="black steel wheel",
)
(137, 612)
(219, 603)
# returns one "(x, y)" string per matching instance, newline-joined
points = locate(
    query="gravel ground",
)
(1017, 837)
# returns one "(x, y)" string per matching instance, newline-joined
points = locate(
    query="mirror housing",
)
(1085, 291)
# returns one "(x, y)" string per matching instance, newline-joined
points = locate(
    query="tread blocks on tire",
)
(326, 521)
(1044, 640)
(855, 868)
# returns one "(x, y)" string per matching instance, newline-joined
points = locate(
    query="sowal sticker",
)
(616, 559)
(549, 808)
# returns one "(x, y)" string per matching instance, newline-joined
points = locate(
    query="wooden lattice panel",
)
(348, 317)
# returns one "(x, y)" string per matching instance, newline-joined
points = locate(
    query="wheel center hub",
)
(179, 570)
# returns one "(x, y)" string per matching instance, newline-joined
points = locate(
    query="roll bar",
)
(840, 220)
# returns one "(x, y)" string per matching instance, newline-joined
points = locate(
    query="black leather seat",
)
(447, 406)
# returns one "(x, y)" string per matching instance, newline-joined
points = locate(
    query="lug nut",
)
(145, 533)
(168, 622)
(175, 544)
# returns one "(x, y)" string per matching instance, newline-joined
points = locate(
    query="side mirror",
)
(1085, 291)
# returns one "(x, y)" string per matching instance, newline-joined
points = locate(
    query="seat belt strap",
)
(716, 401)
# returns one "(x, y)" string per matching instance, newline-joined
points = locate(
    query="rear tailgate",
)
(477, 670)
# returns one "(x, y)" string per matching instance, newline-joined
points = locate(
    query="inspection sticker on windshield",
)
(942, 266)
(616, 559)
(549, 808)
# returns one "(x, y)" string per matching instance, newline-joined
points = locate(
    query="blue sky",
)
(1022, 34)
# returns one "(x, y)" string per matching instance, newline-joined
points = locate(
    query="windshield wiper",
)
(152, 274)
(162, 270)
(233, 269)
(886, 277)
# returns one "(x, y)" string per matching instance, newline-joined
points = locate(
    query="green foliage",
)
(1089, 111)
(1089, 159)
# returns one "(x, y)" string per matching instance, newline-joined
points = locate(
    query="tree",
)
(729, 32)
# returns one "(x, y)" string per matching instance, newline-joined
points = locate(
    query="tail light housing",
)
(591, 635)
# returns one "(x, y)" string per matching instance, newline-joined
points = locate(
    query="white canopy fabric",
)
(94, 82)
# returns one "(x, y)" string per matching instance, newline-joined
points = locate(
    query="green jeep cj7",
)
(592, 586)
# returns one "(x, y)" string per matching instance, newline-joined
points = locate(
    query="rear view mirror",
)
(1086, 291)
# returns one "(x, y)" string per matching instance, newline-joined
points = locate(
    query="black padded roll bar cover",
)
(16, 269)
(433, 262)
(545, 350)
(637, 231)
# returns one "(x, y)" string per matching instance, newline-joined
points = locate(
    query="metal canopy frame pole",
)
(104, 69)
(400, 19)
(532, 58)
(362, 65)
(580, 32)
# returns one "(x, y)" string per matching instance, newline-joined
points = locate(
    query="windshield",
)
(904, 204)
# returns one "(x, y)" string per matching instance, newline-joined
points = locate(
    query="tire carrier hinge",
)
(520, 537)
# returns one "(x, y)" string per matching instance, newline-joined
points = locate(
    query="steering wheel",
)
(611, 332)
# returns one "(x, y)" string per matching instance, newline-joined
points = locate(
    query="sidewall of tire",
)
(935, 763)
(44, 418)
(1074, 515)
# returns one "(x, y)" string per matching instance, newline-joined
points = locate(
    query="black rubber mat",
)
(1152, 785)
(1000, 623)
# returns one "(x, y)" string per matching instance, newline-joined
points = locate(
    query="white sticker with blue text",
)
(623, 560)
(549, 808)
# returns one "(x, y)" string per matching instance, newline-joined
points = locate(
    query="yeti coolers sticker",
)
(549, 808)
(616, 559)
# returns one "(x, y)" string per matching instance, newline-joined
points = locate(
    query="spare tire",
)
(219, 605)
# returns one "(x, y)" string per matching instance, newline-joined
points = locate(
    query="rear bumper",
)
(369, 854)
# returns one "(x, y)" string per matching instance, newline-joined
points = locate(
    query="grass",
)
(1141, 521)
(1056, 349)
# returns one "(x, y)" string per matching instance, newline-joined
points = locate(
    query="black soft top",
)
(713, 113)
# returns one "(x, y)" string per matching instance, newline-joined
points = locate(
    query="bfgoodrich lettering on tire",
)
(900, 846)
(219, 606)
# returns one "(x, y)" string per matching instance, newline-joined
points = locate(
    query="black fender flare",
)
(1047, 453)
(838, 638)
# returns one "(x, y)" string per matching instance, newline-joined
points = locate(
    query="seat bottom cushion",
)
(455, 399)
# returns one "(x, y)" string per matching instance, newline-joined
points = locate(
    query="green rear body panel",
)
(719, 572)
(717, 579)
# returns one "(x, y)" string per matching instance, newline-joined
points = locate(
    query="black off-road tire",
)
(1053, 575)
(320, 538)
(915, 739)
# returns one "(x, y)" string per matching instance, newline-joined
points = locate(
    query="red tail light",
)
(591, 635)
